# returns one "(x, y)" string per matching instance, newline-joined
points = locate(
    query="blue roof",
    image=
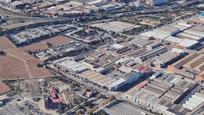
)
(202, 13)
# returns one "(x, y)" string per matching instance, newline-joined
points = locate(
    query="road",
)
(136, 108)
(72, 77)
(117, 95)
(11, 15)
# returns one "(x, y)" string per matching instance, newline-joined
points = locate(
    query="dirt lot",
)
(5, 43)
(17, 64)
(4, 88)
(12, 68)
(42, 45)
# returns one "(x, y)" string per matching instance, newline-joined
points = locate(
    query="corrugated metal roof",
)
(182, 42)
(190, 36)
(118, 82)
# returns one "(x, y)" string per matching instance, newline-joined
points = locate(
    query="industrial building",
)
(161, 94)
(68, 49)
(191, 65)
(81, 71)
(180, 34)
(66, 64)
(198, 19)
(191, 34)
(67, 8)
(110, 7)
(89, 35)
(194, 101)
(167, 58)
(99, 61)
(106, 55)
(140, 42)
(102, 81)
(151, 54)
(29, 36)
(156, 2)
(115, 26)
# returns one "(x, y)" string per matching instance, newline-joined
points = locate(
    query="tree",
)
(2, 52)
(90, 111)
(101, 112)
(39, 65)
(49, 44)
(79, 112)
(1, 32)
(112, 98)
(30, 52)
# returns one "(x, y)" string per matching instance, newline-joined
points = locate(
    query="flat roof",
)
(116, 26)
(123, 109)
(182, 42)
(101, 82)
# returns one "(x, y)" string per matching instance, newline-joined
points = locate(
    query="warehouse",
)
(53, 52)
(115, 26)
(156, 2)
(199, 28)
(195, 32)
(181, 43)
(110, 7)
(192, 63)
(153, 103)
(84, 73)
(160, 93)
(89, 35)
(182, 25)
(66, 64)
(194, 101)
(29, 36)
(166, 82)
(180, 89)
(130, 75)
(130, 93)
(151, 54)
(153, 45)
(190, 36)
(165, 91)
(135, 53)
(167, 58)
(153, 91)
(101, 80)
(174, 34)
(99, 61)
(197, 19)
(139, 41)
(115, 85)
(168, 30)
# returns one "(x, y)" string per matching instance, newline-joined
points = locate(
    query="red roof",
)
(144, 69)
(142, 84)
(53, 92)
